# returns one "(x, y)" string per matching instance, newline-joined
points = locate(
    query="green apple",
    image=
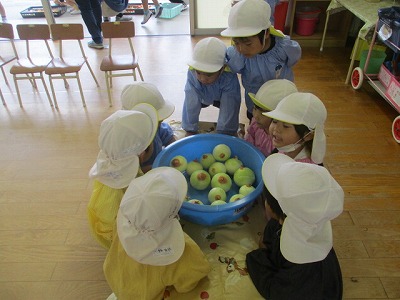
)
(218, 202)
(179, 162)
(221, 152)
(192, 166)
(232, 164)
(215, 194)
(200, 180)
(207, 159)
(217, 167)
(221, 180)
(243, 176)
(236, 197)
(195, 201)
(246, 189)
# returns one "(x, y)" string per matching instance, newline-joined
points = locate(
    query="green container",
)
(375, 61)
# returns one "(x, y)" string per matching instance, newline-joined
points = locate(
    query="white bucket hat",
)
(248, 18)
(272, 92)
(144, 92)
(310, 197)
(208, 55)
(304, 109)
(146, 222)
(123, 136)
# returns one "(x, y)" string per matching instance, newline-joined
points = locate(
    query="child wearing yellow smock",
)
(150, 251)
(123, 138)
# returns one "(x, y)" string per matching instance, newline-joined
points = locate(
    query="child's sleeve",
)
(235, 60)
(166, 134)
(293, 52)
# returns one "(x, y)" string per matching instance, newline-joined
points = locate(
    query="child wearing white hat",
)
(209, 82)
(297, 128)
(124, 137)
(145, 92)
(150, 251)
(266, 99)
(259, 52)
(297, 260)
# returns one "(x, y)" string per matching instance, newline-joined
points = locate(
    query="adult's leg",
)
(91, 15)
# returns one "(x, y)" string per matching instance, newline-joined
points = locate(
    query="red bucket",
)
(306, 20)
(306, 26)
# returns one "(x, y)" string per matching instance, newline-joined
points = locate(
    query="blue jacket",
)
(225, 90)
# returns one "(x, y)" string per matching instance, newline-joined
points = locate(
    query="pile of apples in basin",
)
(215, 173)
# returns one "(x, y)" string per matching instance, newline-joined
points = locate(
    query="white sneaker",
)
(146, 16)
(158, 12)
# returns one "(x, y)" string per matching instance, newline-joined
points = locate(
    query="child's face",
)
(283, 134)
(207, 78)
(146, 154)
(251, 46)
(263, 122)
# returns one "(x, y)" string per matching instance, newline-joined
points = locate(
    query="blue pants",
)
(91, 15)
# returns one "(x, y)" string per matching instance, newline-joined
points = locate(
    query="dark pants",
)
(91, 15)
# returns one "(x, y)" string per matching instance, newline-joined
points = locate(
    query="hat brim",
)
(256, 102)
(143, 247)
(300, 248)
(247, 32)
(165, 111)
(270, 170)
(207, 68)
(281, 116)
(151, 112)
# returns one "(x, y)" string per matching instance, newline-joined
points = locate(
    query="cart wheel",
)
(357, 77)
(396, 129)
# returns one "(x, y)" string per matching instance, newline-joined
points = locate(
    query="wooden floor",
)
(46, 251)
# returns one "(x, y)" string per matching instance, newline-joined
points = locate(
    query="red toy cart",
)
(386, 83)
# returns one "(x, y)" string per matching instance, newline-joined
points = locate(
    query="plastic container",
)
(193, 147)
(375, 61)
(280, 15)
(307, 18)
(390, 17)
(38, 12)
(171, 10)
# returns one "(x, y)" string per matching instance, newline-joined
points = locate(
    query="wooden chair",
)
(32, 66)
(121, 61)
(7, 33)
(68, 64)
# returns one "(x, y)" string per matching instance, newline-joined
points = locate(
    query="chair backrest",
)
(33, 31)
(6, 31)
(67, 31)
(118, 29)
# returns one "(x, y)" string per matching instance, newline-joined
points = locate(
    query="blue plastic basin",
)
(192, 148)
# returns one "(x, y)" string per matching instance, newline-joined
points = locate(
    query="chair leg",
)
(45, 87)
(32, 80)
(110, 77)
(66, 85)
(108, 88)
(140, 73)
(4, 75)
(17, 90)
(80, 89)
(53, 92)
(2, 98)
(134, 75)
(91, 72)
